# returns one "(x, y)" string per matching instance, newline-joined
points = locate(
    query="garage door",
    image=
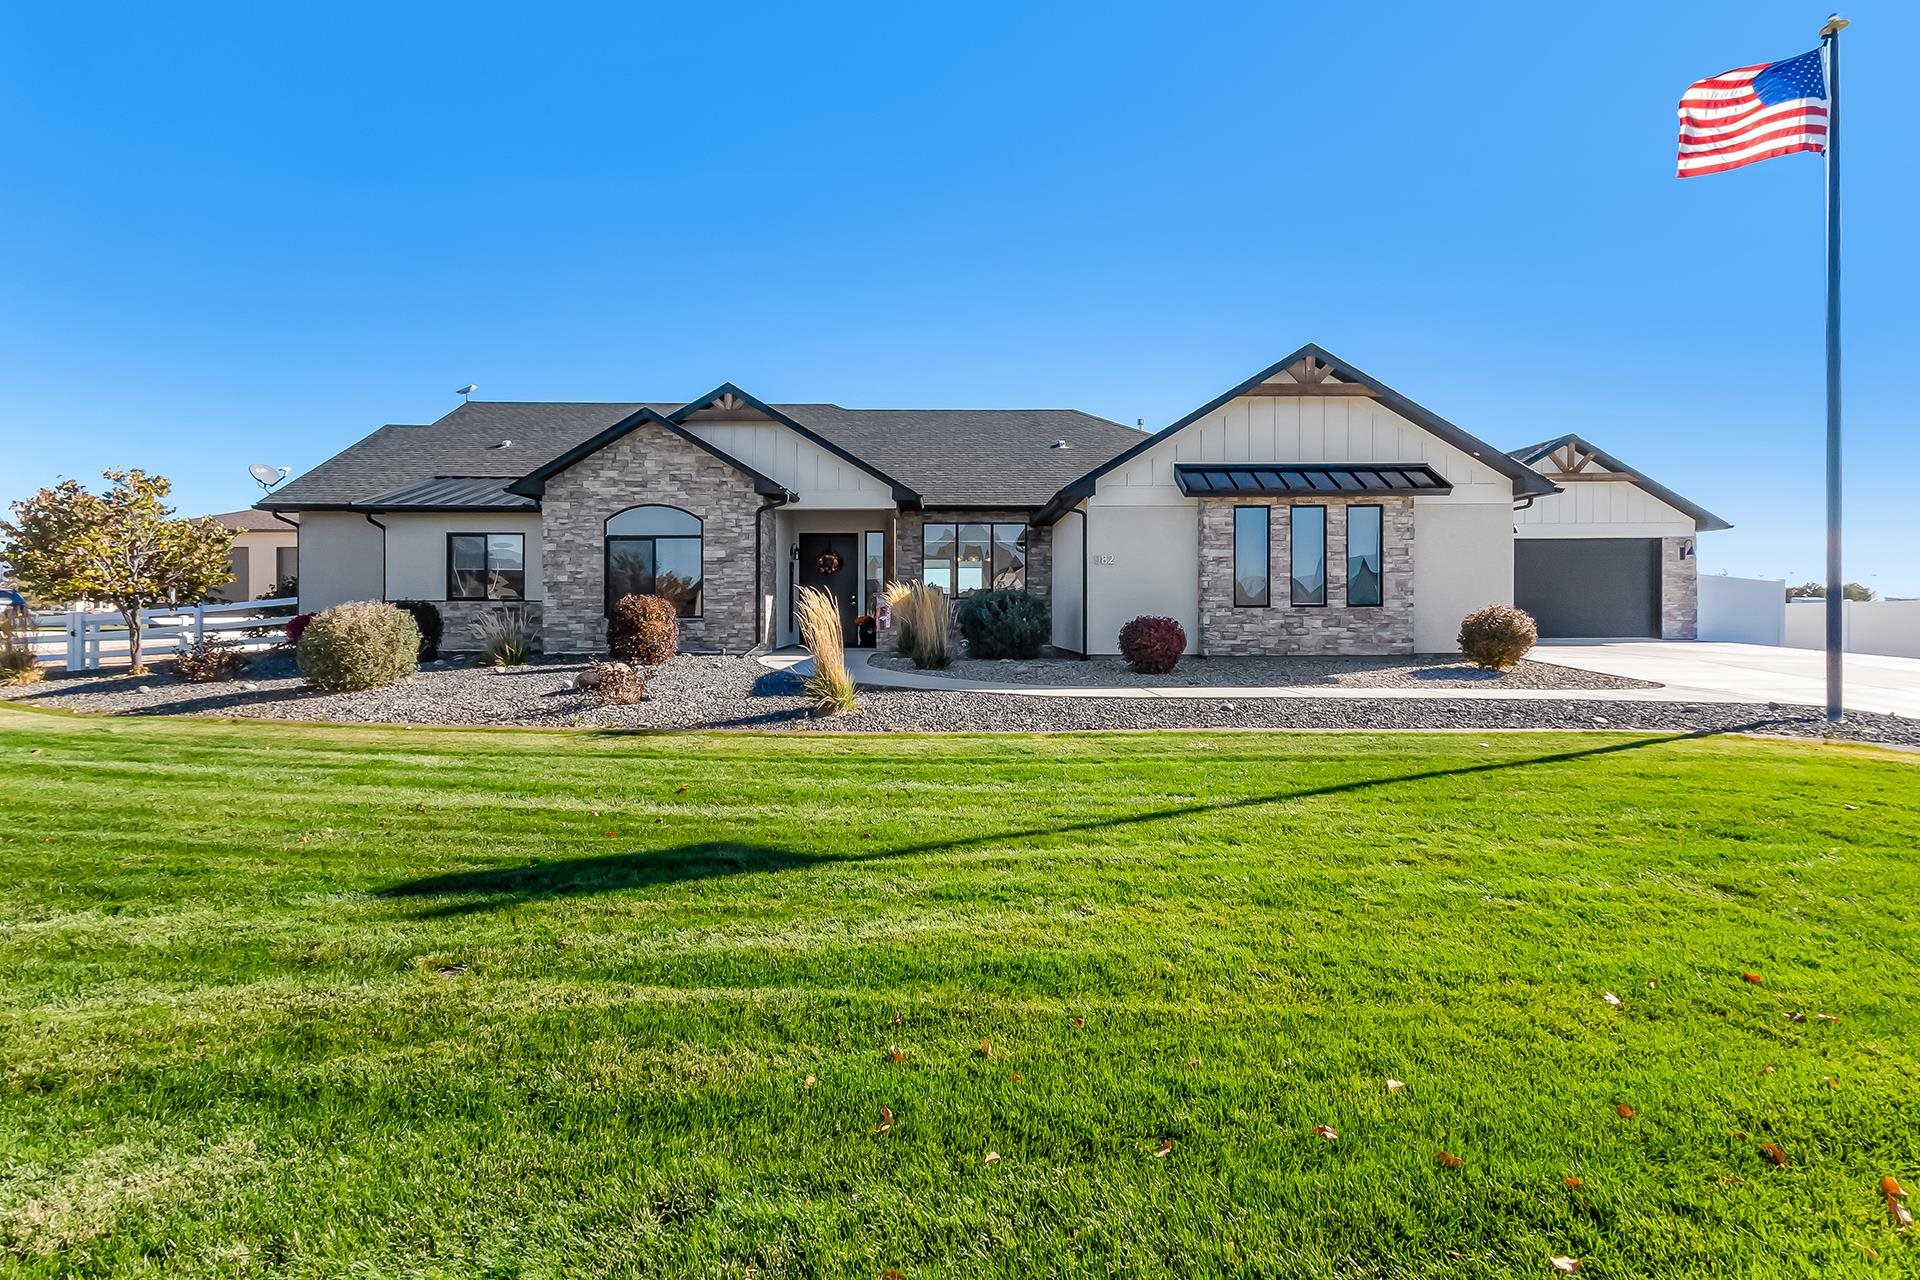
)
(1589, 587)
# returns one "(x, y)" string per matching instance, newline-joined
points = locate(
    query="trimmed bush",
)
(433, 627)
(643, 629)
(297, 624)
(210, 659)
(363, 644)
(1004, 624)
(1152, 645)
(1496, 637)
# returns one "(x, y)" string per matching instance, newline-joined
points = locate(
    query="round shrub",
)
(363, 644)
(1152, 645)
(297, 624)
(643, 629)
(1004, 624)
(426, 616)
(1496, 637)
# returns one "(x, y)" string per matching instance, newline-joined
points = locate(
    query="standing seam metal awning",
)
(1271, 480)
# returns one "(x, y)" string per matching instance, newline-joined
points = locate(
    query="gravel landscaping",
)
(692, 692)
(1350, 673)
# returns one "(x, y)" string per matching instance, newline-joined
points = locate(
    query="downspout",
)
(368, 517)
(295, 526)
(759, 547)
(1086, 587)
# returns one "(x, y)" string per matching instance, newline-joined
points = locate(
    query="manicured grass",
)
(327, 1001)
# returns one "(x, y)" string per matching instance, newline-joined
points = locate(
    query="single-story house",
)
(1310, 509)
(266, 551)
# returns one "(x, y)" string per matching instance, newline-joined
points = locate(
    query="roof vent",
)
(1059, 444)
(504, 444)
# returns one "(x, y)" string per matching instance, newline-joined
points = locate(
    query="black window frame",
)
(608, 600)
(486, 561)
(1266, 553)
(1293, 544)
(953, 561)
(1347, 545)
(870, 594)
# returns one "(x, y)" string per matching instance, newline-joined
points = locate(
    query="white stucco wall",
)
(340, 560)
(1462, 560)
(1068, 534)
(779, 452)
(417, 549)
(1742, 610)
(1142, 559)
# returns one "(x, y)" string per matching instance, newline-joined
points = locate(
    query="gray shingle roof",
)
(954, 457)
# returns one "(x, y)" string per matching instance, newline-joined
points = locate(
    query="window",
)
(1364, 561)
(286, 564)
(1250, 556)
(655, 551)
(486, 566)
(960, 559)
(873, 569)
(1309, 550)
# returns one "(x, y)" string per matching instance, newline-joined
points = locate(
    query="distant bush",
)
(1496, 637)
(1004, 624)
(1152, 645)
(209, 659)
(297, 624)
(920, 616)
(643, 629)
(17, 663)
(612, 684)
(433, 627)
(505, 633)
(363, 644)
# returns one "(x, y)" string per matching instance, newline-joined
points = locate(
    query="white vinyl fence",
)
(1890, 627)
(1742, 610)
(86, 640)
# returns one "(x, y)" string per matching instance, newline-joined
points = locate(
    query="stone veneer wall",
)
(1283, 628)
(1679, 591)
(909, 549)
(650, 465)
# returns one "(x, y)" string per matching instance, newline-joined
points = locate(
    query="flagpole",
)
(1836, 590)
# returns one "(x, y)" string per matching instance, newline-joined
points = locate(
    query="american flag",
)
(1753, 113)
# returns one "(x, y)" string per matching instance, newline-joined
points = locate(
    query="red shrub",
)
(1152, 645)
(295, 625)
(643, 629)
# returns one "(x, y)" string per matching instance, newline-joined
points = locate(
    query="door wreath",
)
(829, 563)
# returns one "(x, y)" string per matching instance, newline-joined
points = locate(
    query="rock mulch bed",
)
(694, 692)
(1303, 672)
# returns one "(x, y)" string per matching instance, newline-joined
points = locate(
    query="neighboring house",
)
(266, 550)
(1311, 509)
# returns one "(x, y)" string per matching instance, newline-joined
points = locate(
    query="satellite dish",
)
(265, 476)
(467, 390)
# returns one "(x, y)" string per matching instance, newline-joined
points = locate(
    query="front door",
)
(829, 561)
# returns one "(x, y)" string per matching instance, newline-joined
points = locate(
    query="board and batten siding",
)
(1143, 533)
(1601, 509)
(782, 454)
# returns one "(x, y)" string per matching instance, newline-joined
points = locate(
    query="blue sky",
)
(255, 233)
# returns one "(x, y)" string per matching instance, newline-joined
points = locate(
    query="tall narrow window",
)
(873, 569)
(655, 551)
(1364, 560)
(486, 566)
(1252, 571)
(1309, 538)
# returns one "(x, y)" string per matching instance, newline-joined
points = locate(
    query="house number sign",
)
(1103, 559)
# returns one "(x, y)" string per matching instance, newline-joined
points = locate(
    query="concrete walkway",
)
(1687, 672)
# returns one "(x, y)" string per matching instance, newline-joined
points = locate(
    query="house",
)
(265, 551)
(1310, 509)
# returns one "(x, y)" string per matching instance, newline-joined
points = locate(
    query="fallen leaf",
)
(896, 1054)
(1395, 1086)
(1795, 1017)
(1766, 1071)
(1754, 978)
(1192, 1063)
(1573, 1183)
(886, 1120)
(1830, 1082)
(1890, 1186)
(1653, 984)
(1849, 806)
(1565, 1264)
(1625, 1112)
(1014, 1076)
(986, 1049)
(680, 790)
(898, 1017)
(1077, 1023)
(1738, 1135)
(809, 1083)
(993, 1157)
(610, 834)
(1773, 1152)
(1873, 1255)
(1827, 1017)
(892, 1273)
(38, 750)
(1901, 1215)
(1326, 1131)
(1448, 1160)
(1612, 999)
(1164, 1149)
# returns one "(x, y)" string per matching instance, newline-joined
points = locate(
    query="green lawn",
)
(327, 1001)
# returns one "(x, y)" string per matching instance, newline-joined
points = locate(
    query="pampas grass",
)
(920, 615)
(829, 688)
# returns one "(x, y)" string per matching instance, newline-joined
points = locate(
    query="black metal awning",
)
(1276, 480)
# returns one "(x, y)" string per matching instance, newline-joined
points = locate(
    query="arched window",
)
(655, 551)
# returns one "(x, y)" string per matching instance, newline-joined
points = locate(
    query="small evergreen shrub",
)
(1152, 645)
(1004, 624)
(643, 629)
(297, 624)
(363, 644)
(433, 627)
(209, 659)
(1496, 637)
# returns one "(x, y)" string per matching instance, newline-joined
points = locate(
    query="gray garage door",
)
(1589, 587)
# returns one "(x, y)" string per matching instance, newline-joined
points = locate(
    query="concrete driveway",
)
(1747, 672)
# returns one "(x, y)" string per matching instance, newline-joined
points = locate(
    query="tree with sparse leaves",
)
(1856, 591)
(122, 547)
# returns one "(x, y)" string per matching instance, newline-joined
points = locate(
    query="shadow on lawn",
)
(495, 888)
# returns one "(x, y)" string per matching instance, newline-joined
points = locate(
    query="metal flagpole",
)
(1836, 599)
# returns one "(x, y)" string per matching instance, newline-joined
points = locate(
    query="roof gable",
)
(731, 400)
(1577, 455)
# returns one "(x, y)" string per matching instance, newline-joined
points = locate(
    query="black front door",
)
(828, 561)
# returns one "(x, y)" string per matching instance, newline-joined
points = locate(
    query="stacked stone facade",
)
(461, 616)
(1679, 590)
(649, 465)
(1229, 630)
(910, 547)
